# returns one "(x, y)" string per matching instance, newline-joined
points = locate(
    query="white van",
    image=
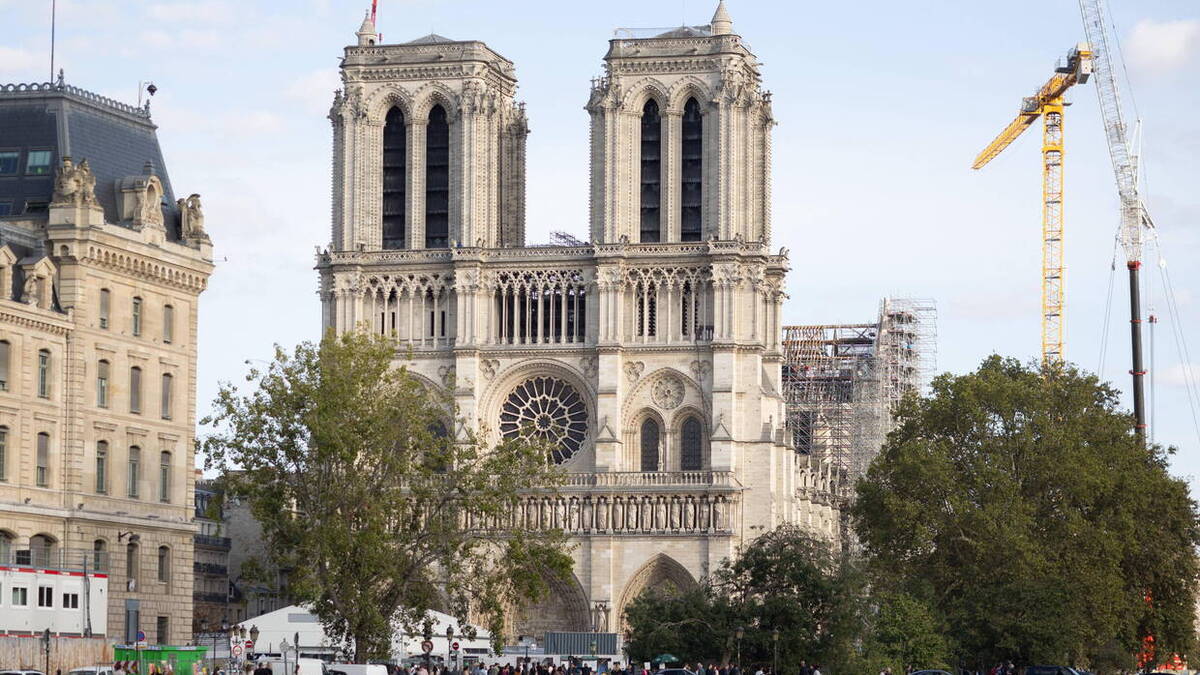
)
(305, 666)
(356, 669)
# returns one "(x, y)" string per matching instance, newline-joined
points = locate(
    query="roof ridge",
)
(77, 93)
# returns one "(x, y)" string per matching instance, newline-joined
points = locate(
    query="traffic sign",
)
(427, 646)
(249, 644)
(454, 646)
(237, 651)
(141, 636)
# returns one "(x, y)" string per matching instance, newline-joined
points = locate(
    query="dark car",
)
(1050, 670)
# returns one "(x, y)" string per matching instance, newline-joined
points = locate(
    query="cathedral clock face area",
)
(546, 409)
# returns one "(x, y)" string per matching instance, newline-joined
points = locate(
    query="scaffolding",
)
(842, 380)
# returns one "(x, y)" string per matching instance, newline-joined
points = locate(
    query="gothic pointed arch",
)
(646, 89)
(687, 87)
(660, 574)
(563, 608)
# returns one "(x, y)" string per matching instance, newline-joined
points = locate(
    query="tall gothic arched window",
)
(651, 182)
(650, 436)
(437, 179)
(395, 158)
(691, 445)
(692, 152)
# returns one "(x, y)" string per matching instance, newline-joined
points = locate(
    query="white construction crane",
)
(1134, 218)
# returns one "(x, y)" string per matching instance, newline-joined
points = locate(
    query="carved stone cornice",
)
(142, 267)
(60, 327)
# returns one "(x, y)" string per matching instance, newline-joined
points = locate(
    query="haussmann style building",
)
(101, 269)
(651, 355)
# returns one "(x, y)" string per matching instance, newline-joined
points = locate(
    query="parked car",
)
(1050, 670)
(92, 670)
(356, 669)
(305, 667)
(21, 672)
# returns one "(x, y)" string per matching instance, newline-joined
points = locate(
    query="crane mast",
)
(1133, 212)
(1048, 105)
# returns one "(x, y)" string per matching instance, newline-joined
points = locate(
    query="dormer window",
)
(10, 161)
(37, 162)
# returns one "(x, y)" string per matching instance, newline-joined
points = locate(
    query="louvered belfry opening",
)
(692, 151)
(437, 179)
(651, 183)
(395, 154)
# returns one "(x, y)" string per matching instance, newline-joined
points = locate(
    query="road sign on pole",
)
(427, 646)
(454, 646)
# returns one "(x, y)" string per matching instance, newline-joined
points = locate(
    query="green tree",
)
(784, 580)
(377, 512)
(1017, 504)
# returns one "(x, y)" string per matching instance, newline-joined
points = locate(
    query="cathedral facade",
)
(650, 356)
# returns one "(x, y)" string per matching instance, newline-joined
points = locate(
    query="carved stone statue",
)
(192, 217)
(74, 185)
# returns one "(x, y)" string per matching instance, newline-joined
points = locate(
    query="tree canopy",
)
(374, 497)
(1017, 503)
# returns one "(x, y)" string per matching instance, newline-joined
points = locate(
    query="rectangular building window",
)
(36, 205)
(43, 459)
(164, 625)
(168, 394)
(135, 390)
(20, 596)
(70, 601)
(136, 321)
(102, 384)
(43, 373)
(10, 160)
(37, 162)
(168, 323)
(105, 307)
(6, 207)
(164, 477)
(3, 453)
(45, 596)
(5, 350)
(135, 469)
(101, 467)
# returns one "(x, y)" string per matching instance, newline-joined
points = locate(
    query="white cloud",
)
(1163, 46)
(1178, 375)
(315, 90)
(205, 11)
(14, 60)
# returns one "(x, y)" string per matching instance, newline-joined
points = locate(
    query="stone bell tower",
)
(681, 145)
(429, 146)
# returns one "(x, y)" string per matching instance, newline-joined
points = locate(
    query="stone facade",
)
(651, 355)
(99, 286)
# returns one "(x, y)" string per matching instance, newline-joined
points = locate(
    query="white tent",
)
(287, 623)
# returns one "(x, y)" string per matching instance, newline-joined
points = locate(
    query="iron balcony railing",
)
(210, 568)
(210, 541)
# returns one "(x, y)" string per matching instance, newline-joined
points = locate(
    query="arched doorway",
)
(563, 608)
(661, 574)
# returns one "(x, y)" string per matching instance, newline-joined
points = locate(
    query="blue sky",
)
(881, 108)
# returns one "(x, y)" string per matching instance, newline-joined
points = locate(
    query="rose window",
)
(546, 409)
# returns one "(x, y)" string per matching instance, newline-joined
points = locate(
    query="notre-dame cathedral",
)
(650, 355)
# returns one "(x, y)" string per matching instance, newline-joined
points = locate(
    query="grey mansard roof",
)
(432, 38)
(117, 140)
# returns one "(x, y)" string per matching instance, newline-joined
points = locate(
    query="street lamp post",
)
(254, 633)
(224, 634)
(450, 645)
(46, 646)
(775, 656)
(740, 634)
(203, 630)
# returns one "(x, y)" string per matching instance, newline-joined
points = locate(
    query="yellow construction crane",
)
(1048, 104)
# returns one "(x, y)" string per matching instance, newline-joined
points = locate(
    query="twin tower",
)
(429, 145)
(649, 357)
